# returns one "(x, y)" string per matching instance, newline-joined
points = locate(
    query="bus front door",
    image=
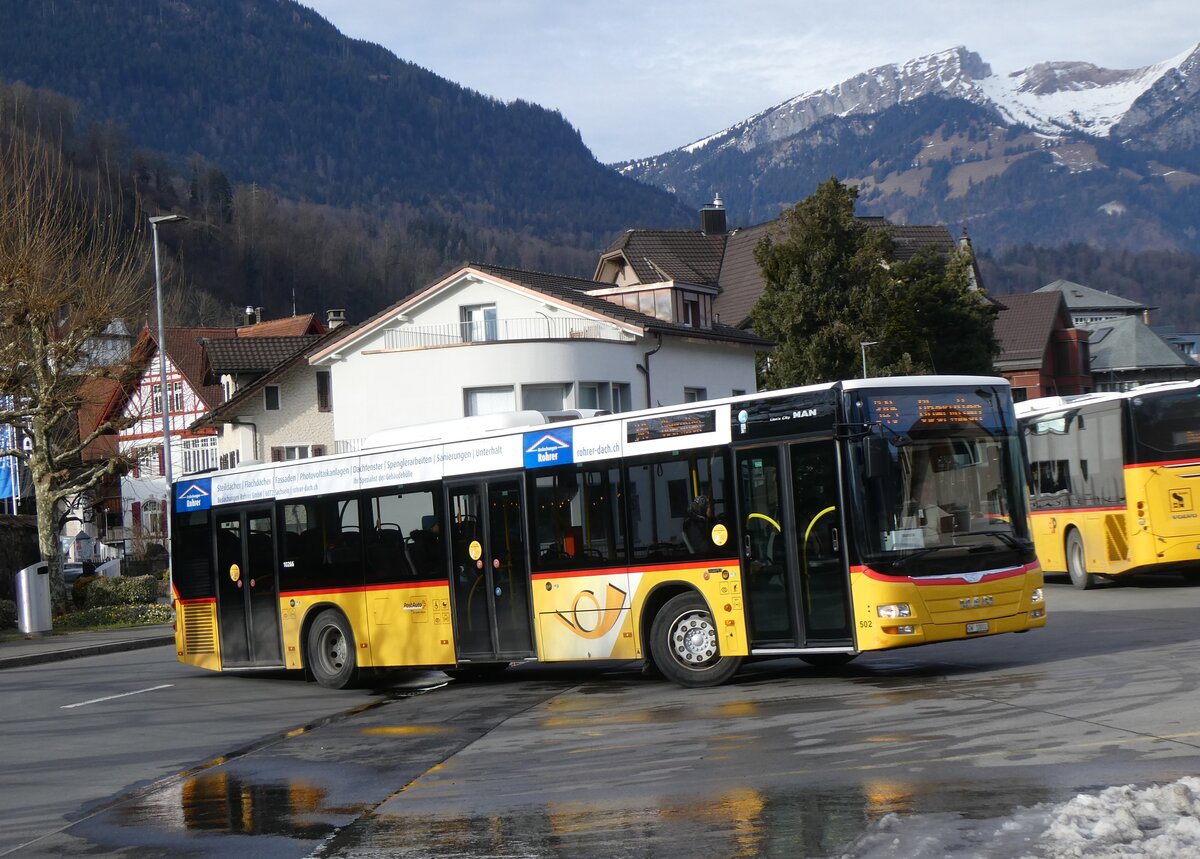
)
(491, 577)
(793, 552)
(248, 589)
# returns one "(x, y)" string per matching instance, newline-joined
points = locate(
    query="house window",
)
(737, 392)
(622, 399)
(691, 311)
(543, 398)
(155, 400)
(199, 454)
(149, 461)
(286, 453)
(478, 323)
(176, 389)
(324, 391)
(489, 401)
(694, 395)
(589, 396)
(271, 398)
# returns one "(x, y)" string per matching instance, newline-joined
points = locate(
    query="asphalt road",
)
(601, 761)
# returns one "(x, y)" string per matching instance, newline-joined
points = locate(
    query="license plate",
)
(977, 627)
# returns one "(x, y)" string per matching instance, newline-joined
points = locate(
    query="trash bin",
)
(33, 599)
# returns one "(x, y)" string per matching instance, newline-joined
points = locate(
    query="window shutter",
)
(137, 514)
(163, 522)
(161, 462)
(277, 454)
(318, 450)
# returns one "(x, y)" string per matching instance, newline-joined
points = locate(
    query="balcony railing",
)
(535, 328)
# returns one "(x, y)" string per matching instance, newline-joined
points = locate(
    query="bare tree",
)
(68, 268)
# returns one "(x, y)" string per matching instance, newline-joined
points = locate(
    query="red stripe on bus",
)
(950, 578)
(647, 568)
(1058, 511)
(1166, 463)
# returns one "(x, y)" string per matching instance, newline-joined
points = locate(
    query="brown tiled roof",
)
(1024, 328)
(187, 354)
(574, 291)
(299, 357)
(290, 326)
(657, 255)
(727, 260)
(255, 354)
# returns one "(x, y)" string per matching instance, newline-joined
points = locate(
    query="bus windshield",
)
(1166, 425)
(940, 481)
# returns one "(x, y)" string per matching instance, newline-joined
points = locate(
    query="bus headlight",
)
(899, 609)
(1036, 596)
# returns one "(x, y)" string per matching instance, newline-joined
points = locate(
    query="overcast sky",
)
(640, 77)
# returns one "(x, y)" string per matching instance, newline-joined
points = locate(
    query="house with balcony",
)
(487, 339)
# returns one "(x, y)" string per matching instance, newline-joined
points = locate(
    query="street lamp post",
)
(864, 344)
(162, 348)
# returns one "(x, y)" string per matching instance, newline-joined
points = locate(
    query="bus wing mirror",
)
(876, 458)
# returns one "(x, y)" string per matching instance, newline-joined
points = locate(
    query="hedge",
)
(8, 614)
(102, 591)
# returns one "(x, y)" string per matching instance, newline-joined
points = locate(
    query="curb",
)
(85, 650)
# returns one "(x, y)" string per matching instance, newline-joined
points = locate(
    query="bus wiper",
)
(1006, 538)
(919, 553)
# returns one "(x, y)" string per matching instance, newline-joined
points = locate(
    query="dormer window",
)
(691, 311)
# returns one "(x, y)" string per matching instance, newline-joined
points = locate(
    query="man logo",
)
(804, 413)
(975, 602)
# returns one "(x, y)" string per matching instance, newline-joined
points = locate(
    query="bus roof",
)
(1045, 405)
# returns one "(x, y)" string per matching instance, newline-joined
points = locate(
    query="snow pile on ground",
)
(1117, 823)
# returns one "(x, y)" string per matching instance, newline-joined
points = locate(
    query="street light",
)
(864, 344)
(162, 351)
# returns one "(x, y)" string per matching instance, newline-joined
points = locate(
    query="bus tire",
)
(684, 644)
(1077, 562)
(332, 657)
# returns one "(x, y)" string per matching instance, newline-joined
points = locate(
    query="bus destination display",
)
(671, 426)
(953, 410)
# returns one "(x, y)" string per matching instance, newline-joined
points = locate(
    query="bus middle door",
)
(490, 570)
(248, 588)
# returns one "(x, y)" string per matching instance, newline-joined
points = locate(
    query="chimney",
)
(712, 218)
(335, 318)
(257, 315)
(248, 315)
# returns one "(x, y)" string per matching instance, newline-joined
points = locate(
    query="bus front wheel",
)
(684, 645)
(331, 653)
(1077, 563)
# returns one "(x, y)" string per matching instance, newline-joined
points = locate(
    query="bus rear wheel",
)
(1077, 563)
(684, 644)
(331, 654)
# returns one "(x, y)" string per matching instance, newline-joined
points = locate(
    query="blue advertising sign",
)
(193, 495)
(548, 447)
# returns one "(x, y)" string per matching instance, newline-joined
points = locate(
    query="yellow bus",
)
(1115, 480)
(816, 522)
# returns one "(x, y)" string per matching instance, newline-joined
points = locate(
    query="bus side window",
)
(403, 535)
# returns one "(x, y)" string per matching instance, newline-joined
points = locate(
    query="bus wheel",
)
(683, 642)
(331, 654)
(1077, 563)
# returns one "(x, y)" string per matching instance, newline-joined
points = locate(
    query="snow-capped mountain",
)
(1051, 98)
(1055, 153)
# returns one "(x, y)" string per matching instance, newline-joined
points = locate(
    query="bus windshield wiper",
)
(1004, 537)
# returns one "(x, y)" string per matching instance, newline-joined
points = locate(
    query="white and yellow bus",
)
(1115, 480)
(818, 522)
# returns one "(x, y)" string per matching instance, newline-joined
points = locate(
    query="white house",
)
(489, 339)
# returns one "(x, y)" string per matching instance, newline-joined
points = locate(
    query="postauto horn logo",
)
(548, 447)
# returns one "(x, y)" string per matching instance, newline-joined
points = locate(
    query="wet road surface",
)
(788, 760)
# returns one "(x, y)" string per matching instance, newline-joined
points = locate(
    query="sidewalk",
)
(19, 652)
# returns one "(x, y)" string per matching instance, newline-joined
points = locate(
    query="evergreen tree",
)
(829, 288)
(825, 289)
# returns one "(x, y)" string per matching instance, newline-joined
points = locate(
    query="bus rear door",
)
(490, 568)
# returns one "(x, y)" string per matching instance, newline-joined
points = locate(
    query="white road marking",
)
(113, 697)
